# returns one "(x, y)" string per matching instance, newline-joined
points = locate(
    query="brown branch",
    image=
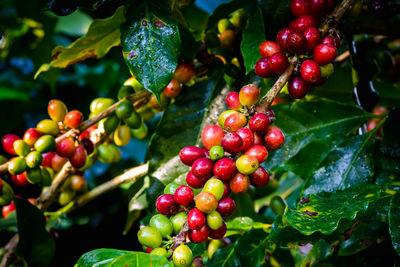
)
(342, 57)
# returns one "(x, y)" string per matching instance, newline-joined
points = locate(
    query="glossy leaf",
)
(323, 212)
(151, 44)
(253, 35)
(139, 259)
(311, 254)
(246, 223)
(102, 35)
(100, 257)
(276, 16)
(394, 222)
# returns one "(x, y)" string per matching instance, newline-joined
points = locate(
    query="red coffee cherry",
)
(282, 38)
(262, 69)
(202, 168)
(331, 41)
(259, 178)
(73, 119)
(199, 235)
(274, 138)
(301, 23)
(297, 87)
(268, 48)
(247, 137)
(184, 72)
(194, 182)
(6, 210)
(297, 43)
(173, 89)
(31, 136)
(189, 154)
(218, 233)
(249, 94)
(225, 169)
(211, 136)
(184, 195)
(20, 180)
(166, 204)
(278, 63)
(324, 54)
(232, 101)
(226, 206)
(235, 121)
(57, 110)
(300, 7)
(240, 183)
(231, 142)
(196, 219)
(259, 152)
(57, 162)
(318, 8)
(259, 123)
(8, 141)
(78, 158)
(320, 82)
(47, 158)
(66, 147)
(88, 145)
(313, 37)
(271, 115)
(310, 71)
(258, 138)
(227, 190)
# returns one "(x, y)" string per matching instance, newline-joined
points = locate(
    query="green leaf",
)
(100, 257)
(103, 34)
(139, 259)
(323, 212)
(304, 256)
(253, 36)
(394, 222)
(9, 223)
(276, 16)
(13, 94)
(151, 44)
(225, 257)
(35, 244)
(246, 223)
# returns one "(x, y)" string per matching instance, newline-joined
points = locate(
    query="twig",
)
(342, 57)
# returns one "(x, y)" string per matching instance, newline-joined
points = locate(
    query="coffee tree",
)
(200, 133)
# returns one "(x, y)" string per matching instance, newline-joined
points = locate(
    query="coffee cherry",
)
(31, 136)
(73, 119)
(297, 87)
(227, 39)
(278, 63)
(277, 205)
(124, 91)
(231, 142)
(166, 204)
(182, 256)
(321, 82)
(234, 122)
(88, 145)
(98, 105)
(34, 176)
(225, 169)
(232, 101)
(173, 89)
(171, 188)
(21, 148)
(282, 38)
(215, 187)
(193, 181)
(300, 24)
(313, 37)
(184, 195)
(202, 168)
(134, 121)
(259, 123)
(258, 138)
(218, 233)
(149, 237)
(162, 252)
(199, 235)
(246, 164)
(227, 190)
(45, 143)
(326, 70)
(259, 152)
(300, 7)
(206, 202)
(211, 136)
(223, 116)
(48, 127)
(240, 183)
(249, 94)
(19, 180)
(6, 210)
(226, 206)
(189, 154)
(162, 225)
(57, 162)
(214, 220)
(310, 71)
(318, 8)
(247, 137)
(57, 110)
(17, 165)
(224, 24)
(216, 152)
(47, 157)
(184, 72)
(34, 159)
(330, 40)
(65, 197)
(259, 178)
(262, 69)
(124, 109)
(8, 142)
(178, 220)
(66, 147)
(274, 138)
(268, 48)
(78, 158)
(296, 43)
(239, 18)
(196, 219)
(324, 54)
(78, 183)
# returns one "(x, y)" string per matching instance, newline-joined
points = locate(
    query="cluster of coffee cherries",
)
(304, 39)
(229, 162)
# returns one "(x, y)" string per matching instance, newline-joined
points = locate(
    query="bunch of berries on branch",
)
(303, 39)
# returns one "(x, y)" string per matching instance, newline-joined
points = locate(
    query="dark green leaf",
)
(323, 212)
(246, 223)
(35, 244)
(151, 44)
(100, 257)
(253, 36)
(394, 222)
(139, 259)
(276, 16)
(9, 223)
(304, 256)
(225, 257)
(7, 94)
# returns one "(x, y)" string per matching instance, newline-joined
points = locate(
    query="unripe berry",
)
(78, 183)
(17, 165)
(259, 178)
(193, 181)
(196, 219)
(297, 87)
(57, 110)
(173, 89)
(224, 24)
(223, 116)
(189, 154)
(199, 235)
(166, 205)
(268, 48)
(218, 233)
(21, 148)
(259, 123)
(300, 7)
(225, 169)
(262, 69)
(31, 136)
(48, 127)
(202, 168)
(206, 202)
(6, 210)
(240, 183)
(313, 37)
(124, 109)
(178, 220)
(182, 256)
(324, 54)
(73, 119)
(239, 17)
(211, 136)
(259, 152)
(274, 138)
(232, 101)
(226, 206)
(184, 72)
(45, 143)
(215, 187)
(8, 142)
(303, 22)
(78, 158)
(310, 71)
(246, 164)
(249, 95)
(184, 195)
(34, 159)
(247, 137)
(234, 122)
(149, 237)
(231, 142)
(57, 162)
(98, 105)
(214, 220)
(171, 188)
(66, 147)
(162, 224)
(326, 70)
(227, 39)
(216, 152)
(162, 252)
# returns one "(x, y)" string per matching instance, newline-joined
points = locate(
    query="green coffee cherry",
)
(122, 135)
(124, 109)
(326, 70)
(34, 175)
(160, 252)
(225, 24)
(171, 188)
(46, 178)
(108, 153)
(34, 159)
(48, 127)
(215, 187)
(178, 220)
(98, 105)
(65, 197)
(141, 132)
(216, 152)
(134, 83)
(21, 148)
(17, 166)
(213, 246)
(182, 256)
(45, 143)
(6, 194)
(134, 121)
(277, 205)
(124, 91)
(214, 220)
(146, 113)
(239, 18)
(162, 224)
(149, 237)
(111, 123)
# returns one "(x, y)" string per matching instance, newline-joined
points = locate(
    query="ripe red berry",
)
(231, 142)
(240, 183)
(249, 94)
(225, 169)
(47, 158)
(301, 23)
(278, 63)
(218, 233)
(227, 190)
(88, 145)
(184, 72)
(193, 181)
(258, 138)
(73, 119)
(324, 54)
(259, 152)
(66, 147)
(235, 121)
(259, 178)
(202, 168)
(184, 195)
(282, 39)
(199, 235)
(6, 210)
(300, 7)
(262, 69)
(259, 123)
(310, 71)
(313, 37)
(57, 162)
(274, 138)
(318, 8)
(297, 87)
(78, 158)
(331, 41)
(20, 180)
(8, 143)
(297, 43)
(166, 204)
(189, 154)
(268, 48)
(247, 137)
(173, 89)
(226, 206)
(196, 219)
(31, 136)
(211, 136)
(271, 115)
(232, 101)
